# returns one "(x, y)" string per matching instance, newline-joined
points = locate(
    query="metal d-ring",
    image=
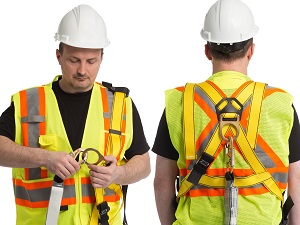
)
(234, 123)
(85, 156)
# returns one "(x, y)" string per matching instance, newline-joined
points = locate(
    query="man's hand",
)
(61, 164)
(103, 176)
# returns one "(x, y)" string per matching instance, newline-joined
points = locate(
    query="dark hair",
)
(61, 48)
(230, 52)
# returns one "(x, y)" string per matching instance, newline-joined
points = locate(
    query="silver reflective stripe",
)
(54, 203)
(33, 119)
(33, 107)
(110, 98)
(36, 195)
(87, 190)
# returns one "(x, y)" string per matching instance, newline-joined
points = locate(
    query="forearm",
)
(294, 192)
(294, 217)
(164, 187)
(18, 156)
(164, 198)
(137, 168)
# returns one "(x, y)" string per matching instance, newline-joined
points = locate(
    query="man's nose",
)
(81, 69)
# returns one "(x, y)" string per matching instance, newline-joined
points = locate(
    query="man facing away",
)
(233, 143)
(46, 130)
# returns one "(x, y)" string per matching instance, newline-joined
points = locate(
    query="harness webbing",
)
(188, 122)
(114, 147)
(245, 142)
(246, 145)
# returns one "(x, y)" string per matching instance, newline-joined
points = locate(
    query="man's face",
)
(79, 68)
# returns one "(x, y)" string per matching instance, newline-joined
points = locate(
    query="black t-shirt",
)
(74, 109)
(164, 147)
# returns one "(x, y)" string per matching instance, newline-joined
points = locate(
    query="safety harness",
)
(34, 125)
(230, 134)
(101, 208)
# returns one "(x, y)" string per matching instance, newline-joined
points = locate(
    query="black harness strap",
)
(103, 213)
(288, 204)
(109, 86)
(124, 189)
(200, 168)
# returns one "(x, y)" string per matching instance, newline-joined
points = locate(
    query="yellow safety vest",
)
(32, 185)
(204, 202)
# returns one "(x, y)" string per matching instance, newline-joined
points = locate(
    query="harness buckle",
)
(85, 158)
(103, 209)
(234, 122)
(200, 168)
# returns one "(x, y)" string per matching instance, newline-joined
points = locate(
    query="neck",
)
(238, 66)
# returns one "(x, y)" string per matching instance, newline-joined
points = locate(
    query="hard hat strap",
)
(228, 47)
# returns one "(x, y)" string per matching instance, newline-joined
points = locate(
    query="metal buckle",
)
(84, 155)
(235, 122)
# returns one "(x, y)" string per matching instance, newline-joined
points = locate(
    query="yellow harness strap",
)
(114, 140)
(188, 121)
(99, 193)
(246, 143)
(114, 147)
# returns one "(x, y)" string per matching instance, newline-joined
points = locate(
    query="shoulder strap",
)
(114, 146)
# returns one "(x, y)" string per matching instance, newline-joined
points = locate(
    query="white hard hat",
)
(228, 21)
(82, 27)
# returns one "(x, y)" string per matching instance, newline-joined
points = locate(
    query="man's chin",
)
(81, 87)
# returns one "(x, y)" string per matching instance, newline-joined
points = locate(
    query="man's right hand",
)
(61, 164)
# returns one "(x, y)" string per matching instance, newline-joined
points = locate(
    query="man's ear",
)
(250, 51)
(207, 52)
(58, 55)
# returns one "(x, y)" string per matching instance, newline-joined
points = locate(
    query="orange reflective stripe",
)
(282, 185)
(180, 89)
(253, 191)
(270, 91)
(26, 203)
(269, 151)
(220, 191)
(85, 180)
(104, 99)
(112, 198)
(34, 185)
(43, 204)
(278, 169)
(106, 121)
(123, 129)
(24, 111)
(42, 102)
(26, 173)
(44, 173)
(68, 201)
(206, 192)
(42, 184)
(88, 199)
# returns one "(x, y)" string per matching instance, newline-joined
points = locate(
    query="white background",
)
(155, 45)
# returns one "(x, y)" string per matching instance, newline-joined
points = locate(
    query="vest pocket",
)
(48, 141)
